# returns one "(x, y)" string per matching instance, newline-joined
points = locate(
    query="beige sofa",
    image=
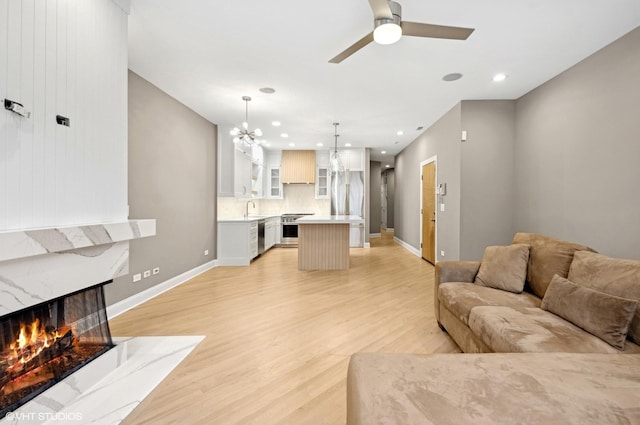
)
(549, 368)
(481, 319)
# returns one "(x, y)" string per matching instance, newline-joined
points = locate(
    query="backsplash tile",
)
(298, 198)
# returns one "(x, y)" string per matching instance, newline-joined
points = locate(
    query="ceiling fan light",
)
(387, 31)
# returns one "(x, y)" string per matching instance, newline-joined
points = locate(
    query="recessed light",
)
(383, 152)
(275, 123)
(400, 133)
(285, 135)
(348, 145)
(452, 77)
(268, 90)
(387, 166)
(499, 77)
(292, 144)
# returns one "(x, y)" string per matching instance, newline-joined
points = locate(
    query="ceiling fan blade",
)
(381, 9)
(353, 48)
(435, 31)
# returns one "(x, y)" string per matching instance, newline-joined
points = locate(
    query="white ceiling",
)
(210, 53)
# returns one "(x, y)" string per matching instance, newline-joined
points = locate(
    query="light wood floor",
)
(278, 340)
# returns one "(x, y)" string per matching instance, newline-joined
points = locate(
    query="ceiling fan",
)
(388, 27)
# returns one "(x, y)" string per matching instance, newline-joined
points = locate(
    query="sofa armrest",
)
(452, 271)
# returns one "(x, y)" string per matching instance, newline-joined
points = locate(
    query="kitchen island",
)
(323, 241)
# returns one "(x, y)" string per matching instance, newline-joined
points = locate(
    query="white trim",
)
(433, 159)
(389, 229)
(120, 307)
(367, 245)
(375, 235)
(408, 247)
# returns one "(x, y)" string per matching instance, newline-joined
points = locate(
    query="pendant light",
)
(245, 135)
(335, 161)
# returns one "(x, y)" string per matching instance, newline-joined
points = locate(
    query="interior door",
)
(429, 212)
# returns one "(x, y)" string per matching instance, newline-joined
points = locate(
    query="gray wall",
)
(375, 179)
(562, 161)
(390, 175)
(578, 152)
(487, 176)
(441, 139)
(172, 169)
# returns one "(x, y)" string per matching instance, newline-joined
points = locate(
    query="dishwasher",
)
(261, 225)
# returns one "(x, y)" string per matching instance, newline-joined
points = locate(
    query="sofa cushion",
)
(461, 297)
(613, 276)
(547, 257)
(504, 267)
(533, 330)
(606, 316)
(493, 389)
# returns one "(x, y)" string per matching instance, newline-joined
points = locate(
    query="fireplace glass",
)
(43, 344)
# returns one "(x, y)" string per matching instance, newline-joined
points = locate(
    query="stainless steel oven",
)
(289, 237)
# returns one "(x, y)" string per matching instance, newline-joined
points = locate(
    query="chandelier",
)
(244, 135)
(335, 161)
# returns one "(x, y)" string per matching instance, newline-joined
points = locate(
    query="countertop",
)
(248, 219)
(331, 219)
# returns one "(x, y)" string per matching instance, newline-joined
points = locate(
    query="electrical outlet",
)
(147, 273)
(137, 277)
(206, 252)
(156, 270)
(442, 253)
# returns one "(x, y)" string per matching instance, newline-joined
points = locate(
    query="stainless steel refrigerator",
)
(347, 198)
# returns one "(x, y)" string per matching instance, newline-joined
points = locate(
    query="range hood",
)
(298, 167)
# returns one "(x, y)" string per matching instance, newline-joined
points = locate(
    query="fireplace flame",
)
(29, 344)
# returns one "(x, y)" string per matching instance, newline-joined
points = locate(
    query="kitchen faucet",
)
(246, 214)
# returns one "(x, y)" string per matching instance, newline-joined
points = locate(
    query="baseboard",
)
(389, 229)
(408, 247)
(367, 245)
(120, 307)
(375, 235)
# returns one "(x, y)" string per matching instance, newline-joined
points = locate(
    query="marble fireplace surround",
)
(37, 265)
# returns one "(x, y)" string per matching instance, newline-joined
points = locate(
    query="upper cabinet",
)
(352, 159)
(64, 163)
(240, 168)
(298, 166)
(272, 172)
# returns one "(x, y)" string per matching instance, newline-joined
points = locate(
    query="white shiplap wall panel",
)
(64, 57)
(26, 128)
(14, 121)
(4, 17)
(38, 116)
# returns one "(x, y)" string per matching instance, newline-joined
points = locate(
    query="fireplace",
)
(42, 344)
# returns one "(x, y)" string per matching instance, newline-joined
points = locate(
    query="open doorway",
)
(428, 210)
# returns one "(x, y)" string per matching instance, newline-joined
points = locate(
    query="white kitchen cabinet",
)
(323, 178)
(352, 159)
(240, 168)
(242, 183)
(272, 232)
(322, 158)
(237, 242)
(273, 181)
